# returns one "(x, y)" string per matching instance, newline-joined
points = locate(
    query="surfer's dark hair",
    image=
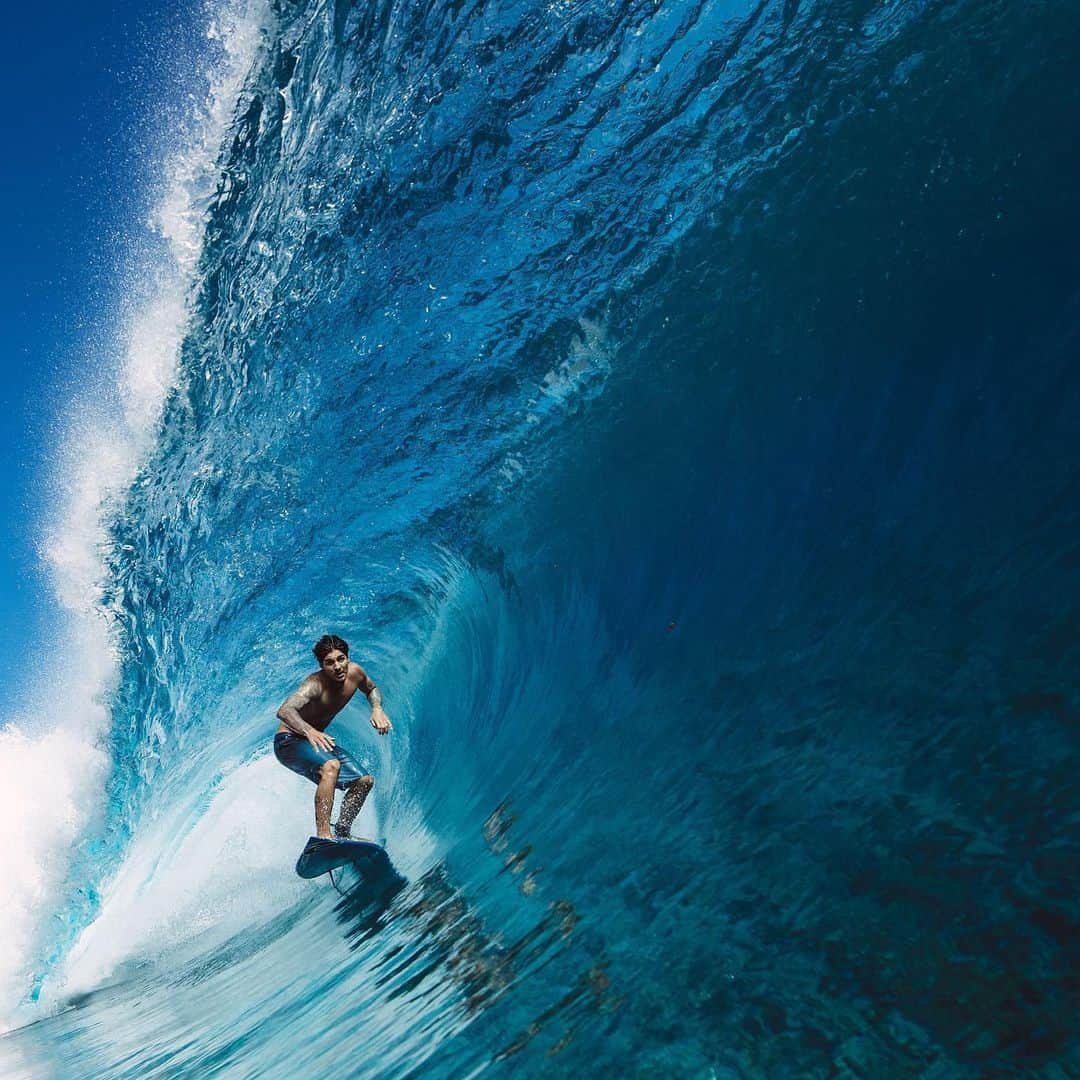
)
(327, 644)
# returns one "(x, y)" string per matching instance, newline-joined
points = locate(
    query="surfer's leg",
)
(324, 797)
(355, 795)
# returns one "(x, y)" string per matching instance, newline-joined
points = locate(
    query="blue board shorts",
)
(296, 753)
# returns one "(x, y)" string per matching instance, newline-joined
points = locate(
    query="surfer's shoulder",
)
(363, 679)
(311, 685)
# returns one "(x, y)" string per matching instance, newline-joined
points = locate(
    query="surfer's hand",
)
(380, 721)
(320, 740)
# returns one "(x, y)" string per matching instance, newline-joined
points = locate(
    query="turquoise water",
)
(675, 407)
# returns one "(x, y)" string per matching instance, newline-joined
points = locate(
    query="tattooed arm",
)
(379, 720)
(289, 714)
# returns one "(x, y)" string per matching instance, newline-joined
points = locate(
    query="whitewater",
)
(674, 406)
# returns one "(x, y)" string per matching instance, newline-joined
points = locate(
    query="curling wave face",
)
(668, 404)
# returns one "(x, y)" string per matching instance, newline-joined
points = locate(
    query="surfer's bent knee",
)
(330, 768)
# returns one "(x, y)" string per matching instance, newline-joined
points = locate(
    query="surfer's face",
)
(336, 665)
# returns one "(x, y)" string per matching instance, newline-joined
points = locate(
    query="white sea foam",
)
(220, 872)
(53, 766)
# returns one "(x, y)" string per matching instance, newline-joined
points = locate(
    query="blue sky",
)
(86, 89)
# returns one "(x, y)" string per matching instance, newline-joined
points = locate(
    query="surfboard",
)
(321, 856)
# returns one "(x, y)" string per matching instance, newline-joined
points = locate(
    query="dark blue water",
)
(675, 407)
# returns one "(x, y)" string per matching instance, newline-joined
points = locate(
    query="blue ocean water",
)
(675, 407)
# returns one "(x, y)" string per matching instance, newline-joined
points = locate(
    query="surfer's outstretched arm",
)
(289, 714)
(379, 720)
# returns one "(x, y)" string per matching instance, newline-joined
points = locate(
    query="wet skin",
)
(308, 710)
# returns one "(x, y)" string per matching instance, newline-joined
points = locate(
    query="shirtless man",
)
(301, 742)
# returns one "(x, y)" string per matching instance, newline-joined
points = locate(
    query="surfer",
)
(301, 742)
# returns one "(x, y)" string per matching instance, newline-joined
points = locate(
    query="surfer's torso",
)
(325, 699)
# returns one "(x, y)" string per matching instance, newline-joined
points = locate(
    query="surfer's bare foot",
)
(344, 834)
